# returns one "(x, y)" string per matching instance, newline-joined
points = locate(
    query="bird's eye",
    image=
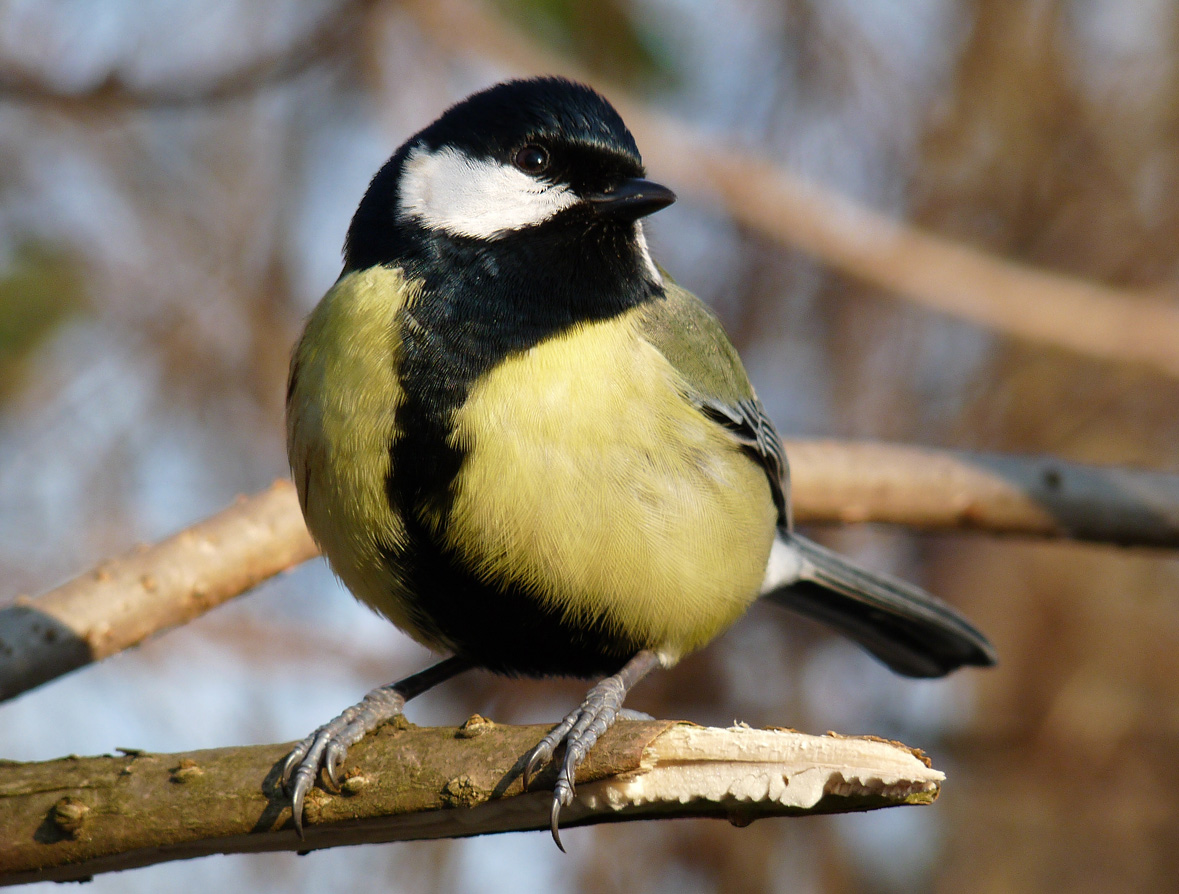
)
(531, 159)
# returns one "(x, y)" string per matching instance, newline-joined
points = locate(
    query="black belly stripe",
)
(459, 328)
(504, 628)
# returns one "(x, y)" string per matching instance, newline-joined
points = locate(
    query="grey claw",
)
(581, 729)
(331, 762)
(298, 776)
(545, 748)
(535, 759)
(555, 817)
(566, 779)
(292, 761)
(563, 794)
(297, 807)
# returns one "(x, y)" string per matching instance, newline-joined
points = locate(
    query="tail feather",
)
(911, 631)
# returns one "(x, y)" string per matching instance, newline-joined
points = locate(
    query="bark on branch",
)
(76, 817)
(129, 598)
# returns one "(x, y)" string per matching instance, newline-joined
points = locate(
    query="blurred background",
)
(175, 184)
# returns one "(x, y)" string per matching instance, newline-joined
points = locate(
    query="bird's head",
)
(524, 161)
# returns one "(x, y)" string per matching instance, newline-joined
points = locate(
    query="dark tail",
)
(911, 631)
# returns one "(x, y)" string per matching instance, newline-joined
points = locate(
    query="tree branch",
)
(123, 601)
(994, 493)
(72, 818)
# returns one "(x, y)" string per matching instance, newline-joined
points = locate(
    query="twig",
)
(127, 599)
(73, 818)
(335, 32)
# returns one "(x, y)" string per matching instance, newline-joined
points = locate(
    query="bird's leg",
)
(582, 727)
(328, 745)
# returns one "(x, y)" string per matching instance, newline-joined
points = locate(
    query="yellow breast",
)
(341, 421)
(590, 480)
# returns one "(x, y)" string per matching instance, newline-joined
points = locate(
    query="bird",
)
(518, 439)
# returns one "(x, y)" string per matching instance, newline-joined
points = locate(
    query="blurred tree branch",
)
(1093, 319)
(333, 35)
(129, 598)
(948, 490)
(1105, 322)
(72, 818)
(123, 601)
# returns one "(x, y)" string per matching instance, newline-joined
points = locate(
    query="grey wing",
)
(747, 422)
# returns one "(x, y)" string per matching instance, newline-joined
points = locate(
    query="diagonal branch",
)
(1093, 319)
(72, 818)
(1096, 320)
(133, 596)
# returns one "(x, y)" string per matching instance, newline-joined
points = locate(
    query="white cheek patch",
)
(479, 198)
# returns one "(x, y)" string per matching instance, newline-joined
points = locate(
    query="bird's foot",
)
(581, 729)
(328, 745)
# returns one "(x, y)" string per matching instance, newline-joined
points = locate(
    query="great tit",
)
(517, 439)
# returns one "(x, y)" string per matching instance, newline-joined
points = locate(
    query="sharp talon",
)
(331, 763)
(556, 816)
(292, 761)
(287, 767)
(297, 807)
(562, 797)
(534, 761)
